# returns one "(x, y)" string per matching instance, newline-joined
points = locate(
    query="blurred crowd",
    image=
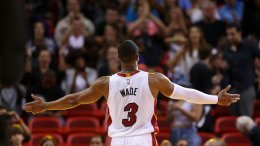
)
(203, 44)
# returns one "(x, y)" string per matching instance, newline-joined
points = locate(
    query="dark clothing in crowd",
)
(212, 31)
(251, 19)
(241, 76)
(200, 77)
(254, 136)
(241, 65)
(50, 94)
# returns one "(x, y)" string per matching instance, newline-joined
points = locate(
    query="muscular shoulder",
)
(102, 81)
(155, 78)
(160, 83)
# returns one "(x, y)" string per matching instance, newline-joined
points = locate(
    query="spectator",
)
(16, 120)
(187, 55)
(247, 127)
(182, 142)
(97, 141)
(17, 135)
(75, 36)
(184, 115)
(48, 87)
(13, 97)
(176, 14)
(32, 75)
(166, 143)
(215, 142)
(201, 75)
(148, 30)
(232, 11)
(64, 24)
(212, 28)
(48, 140)
(112, 35)
(110, 65)
(113, 17)
(39, 42)
(250, 20)
(79, 76)
(131, 13)
(240, 55)
(146, 22)
(196, 14)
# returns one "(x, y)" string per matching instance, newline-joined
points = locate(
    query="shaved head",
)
(128, 52)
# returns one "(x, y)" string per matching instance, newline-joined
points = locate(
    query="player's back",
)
(131, 105)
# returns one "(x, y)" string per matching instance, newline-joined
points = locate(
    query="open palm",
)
(36, 106)
(225, 98)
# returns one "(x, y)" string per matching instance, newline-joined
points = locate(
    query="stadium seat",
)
(163, 104)
(225, 124)
(102, 111)
(36, 138)
(80, 139)
(162, 136)
(235, 139)
(256, 112)
(82, 110)
(82, 124)
(164, 125)
(219, 111)
(257, 121)
(45, 124)
(206, 136)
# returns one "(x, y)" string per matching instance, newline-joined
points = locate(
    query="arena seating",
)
(206, 136)
(45, 124)
(36, 138)
(79, 139)
(82, 110)
(225, 124)
(82, 124)
(236, 139)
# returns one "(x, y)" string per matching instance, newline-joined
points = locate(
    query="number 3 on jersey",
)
(131, 108)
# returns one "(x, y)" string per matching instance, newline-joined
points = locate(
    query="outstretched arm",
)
(175, 91)
(87, 96)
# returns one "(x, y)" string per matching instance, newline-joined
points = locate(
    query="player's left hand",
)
(225, 99)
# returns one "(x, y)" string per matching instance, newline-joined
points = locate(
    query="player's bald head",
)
(128, 52)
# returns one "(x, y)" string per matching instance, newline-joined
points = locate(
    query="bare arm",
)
(195, 112)
(159, 23)
(87, 96)
(162, 84)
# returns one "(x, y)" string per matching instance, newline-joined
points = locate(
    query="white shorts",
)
(140, 140)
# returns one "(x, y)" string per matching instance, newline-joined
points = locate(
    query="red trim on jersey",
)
(155, 143)
(155, 125)
(126, 74)
(109, 120)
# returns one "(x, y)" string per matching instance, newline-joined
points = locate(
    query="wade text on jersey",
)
(128, 91)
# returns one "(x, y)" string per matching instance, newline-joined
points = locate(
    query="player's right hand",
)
(36, 106)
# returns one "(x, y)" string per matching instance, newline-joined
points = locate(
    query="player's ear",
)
(137, 57)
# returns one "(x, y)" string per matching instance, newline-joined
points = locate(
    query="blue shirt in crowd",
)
(232, 14)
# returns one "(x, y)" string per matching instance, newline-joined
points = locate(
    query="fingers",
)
(30, 104)
(227, 88)
(35, 97)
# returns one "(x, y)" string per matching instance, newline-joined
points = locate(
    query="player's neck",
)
(128, 68)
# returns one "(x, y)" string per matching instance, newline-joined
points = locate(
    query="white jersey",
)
(131, 105)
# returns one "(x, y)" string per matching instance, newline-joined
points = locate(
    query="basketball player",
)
(131, 99)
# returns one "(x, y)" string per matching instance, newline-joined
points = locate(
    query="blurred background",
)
(56, 47)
